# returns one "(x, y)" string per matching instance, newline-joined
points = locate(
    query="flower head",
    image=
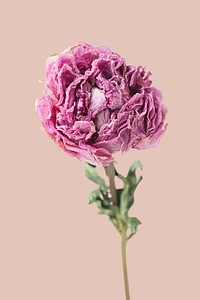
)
(94, 104)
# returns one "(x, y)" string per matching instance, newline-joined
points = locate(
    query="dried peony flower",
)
(94, 104)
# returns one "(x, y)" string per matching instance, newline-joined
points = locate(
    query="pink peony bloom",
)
(94, 104)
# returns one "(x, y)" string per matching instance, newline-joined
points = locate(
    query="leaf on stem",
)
(118, 214)
(130, 183)
(100, 196)
(102, 201)
(92, 174)
(132, 223)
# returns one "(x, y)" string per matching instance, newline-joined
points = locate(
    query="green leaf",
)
(118, 214)
(92, 174)
(94, 196)
(102, 201)
(130, 184)
(131, 173)
(132, 224)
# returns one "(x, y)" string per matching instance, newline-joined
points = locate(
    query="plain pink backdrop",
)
(53, 245)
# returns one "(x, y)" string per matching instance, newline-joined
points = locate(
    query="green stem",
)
(111, 174)
(126, 284)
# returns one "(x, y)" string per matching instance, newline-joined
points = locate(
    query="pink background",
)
(53, 245)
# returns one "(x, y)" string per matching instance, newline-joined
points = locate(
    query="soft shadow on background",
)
(53, 245)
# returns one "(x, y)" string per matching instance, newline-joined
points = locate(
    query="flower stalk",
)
(124, 264)
(114, 200)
